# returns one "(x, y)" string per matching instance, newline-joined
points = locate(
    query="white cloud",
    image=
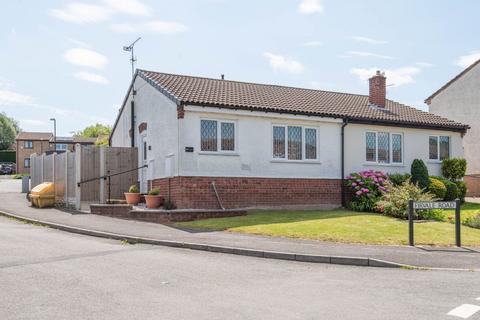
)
(132, 7)
(310, 6)
(365, 54)
(91, 77)
(281, 63)
(312, 44)
(81, 13)
(395, 77)
(85, 58)
(468, 59)
(154, 26)
(9, 98)
(32, 122)
(368, 40)
(424, 64)
(79, 43)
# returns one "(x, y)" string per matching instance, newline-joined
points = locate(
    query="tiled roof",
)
(446, 85)
(42, 136)
(274, 98)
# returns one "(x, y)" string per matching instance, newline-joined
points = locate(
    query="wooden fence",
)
(76, 175)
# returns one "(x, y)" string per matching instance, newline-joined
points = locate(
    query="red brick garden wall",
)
(197, 192)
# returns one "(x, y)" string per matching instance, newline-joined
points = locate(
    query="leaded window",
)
(208, 134)
(371, 146)
(228, 136)
(384, 147)
(279, 142)
(438, 147)
(397, 156)
(310, 143)
(217, 135)
(294, 143)
(444, 142)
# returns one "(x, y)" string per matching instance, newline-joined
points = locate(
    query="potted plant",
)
(132, 196)
(153, 199)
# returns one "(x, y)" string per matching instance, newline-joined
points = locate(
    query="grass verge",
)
(340, 226)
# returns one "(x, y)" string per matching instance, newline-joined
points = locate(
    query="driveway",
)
(8, 185)
(49, 274)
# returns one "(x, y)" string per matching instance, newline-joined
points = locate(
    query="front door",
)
(143, 162)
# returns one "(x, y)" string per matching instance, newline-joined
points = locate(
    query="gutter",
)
(345, 123)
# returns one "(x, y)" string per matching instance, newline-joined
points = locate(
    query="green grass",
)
(340, 226)
(468, 210)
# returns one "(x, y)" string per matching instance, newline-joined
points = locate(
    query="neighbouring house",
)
(28, 143)
(459, 99)
(212, 141)
(61, 144)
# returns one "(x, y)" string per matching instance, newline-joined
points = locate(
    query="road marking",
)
(465, 311)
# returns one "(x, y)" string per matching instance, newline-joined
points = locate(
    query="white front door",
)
(143, 162)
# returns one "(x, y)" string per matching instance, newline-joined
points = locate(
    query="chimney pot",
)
(378, 89)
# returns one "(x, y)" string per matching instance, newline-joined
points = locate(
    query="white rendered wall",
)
(460, 101)
(160, 114)
(253, 157)
(415, 146)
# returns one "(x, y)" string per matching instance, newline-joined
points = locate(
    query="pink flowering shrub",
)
(367, 188)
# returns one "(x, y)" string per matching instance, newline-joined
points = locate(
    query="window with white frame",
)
(61, 147)
(217, 135)
(438, 147)
(294, 142)
(384, 147)
(26, 163)
(28, 144)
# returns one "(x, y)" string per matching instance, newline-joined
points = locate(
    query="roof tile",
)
(275, 98)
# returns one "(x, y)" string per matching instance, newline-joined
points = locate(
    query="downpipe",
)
(345, 123)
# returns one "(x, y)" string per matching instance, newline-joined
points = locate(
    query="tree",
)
(99, 131)
(8, 131)
(419, 173)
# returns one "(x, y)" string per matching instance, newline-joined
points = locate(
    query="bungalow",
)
(213, 142)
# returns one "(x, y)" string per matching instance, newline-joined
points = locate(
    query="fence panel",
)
(61, 169)
(60, 174)
(119, 160)
(90, 169)
(71, 175)
(48, 168)
(36, 170)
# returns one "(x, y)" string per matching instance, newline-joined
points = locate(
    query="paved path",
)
(14, 202)
(50, 274)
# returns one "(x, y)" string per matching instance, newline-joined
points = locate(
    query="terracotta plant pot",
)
(153, 202)
(132, 198)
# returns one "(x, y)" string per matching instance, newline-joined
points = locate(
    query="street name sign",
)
(435, 205)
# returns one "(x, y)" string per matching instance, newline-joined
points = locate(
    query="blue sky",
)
(64, 59)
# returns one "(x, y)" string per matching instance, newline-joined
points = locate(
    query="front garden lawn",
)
(469, 209)
(341, 226)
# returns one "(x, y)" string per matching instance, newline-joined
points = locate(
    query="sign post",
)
(410, 223)
(426, 205)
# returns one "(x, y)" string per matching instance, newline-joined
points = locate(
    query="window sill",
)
(374, 164)
(296, 161)
(216, 153)
(434, 161)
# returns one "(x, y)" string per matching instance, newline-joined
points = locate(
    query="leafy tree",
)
(419, 173)
(8, 131)
(454, 169)
(99, 131)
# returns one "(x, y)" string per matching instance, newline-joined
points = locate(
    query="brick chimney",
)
(378, 89)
